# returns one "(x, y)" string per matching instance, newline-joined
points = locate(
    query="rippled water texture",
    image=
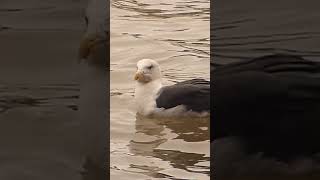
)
(176, 34)
(39, 89)
(247, 29)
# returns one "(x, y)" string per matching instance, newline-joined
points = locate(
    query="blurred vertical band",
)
(94, 60)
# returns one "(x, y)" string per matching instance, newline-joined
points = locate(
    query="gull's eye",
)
(150, 67)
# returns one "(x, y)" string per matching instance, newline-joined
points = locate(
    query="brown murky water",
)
(39, 89)
(244, 30)
(176, 34)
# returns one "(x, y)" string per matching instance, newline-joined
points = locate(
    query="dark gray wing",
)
(194, 94)
(273, 102)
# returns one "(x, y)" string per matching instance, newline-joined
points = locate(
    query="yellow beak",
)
(85, 46)
(138, 76)
(91, 46)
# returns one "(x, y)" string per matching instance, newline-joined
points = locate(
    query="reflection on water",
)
(176, 34)
(151, 134)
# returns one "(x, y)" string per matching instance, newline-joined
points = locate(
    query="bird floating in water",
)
(187, 98)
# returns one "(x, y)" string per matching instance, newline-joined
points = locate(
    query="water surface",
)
(39, 127)
(176, 34)
(245, 30)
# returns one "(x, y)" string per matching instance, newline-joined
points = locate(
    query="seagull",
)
(187, 98)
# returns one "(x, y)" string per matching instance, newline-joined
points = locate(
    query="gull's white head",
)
(147, 70)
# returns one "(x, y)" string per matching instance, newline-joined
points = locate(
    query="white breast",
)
(145, 97)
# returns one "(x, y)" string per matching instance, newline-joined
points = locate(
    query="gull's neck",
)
(93, 89)
(145, 96)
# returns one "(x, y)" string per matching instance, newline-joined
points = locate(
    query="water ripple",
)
(167, 9)
(15, 96)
